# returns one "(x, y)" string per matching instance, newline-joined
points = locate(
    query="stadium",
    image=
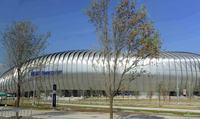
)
(74, 74)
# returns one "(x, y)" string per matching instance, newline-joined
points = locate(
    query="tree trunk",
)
(18, 95)
(111, 107)
(18, 92)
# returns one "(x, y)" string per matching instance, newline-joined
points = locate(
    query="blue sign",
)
(45, 73)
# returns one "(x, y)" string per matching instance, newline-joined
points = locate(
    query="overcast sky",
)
(178, 22)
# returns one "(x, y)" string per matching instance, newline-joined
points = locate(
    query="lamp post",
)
(54, 96)
(34, 91)
(177, 83)
(177, 89)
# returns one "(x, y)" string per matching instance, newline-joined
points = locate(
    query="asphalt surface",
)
(96, 115)
(136, 108)
(54, 114)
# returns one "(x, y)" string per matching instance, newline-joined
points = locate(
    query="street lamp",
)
(177, 83)
(177, 89)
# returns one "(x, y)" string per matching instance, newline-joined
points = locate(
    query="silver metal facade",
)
(73, 70)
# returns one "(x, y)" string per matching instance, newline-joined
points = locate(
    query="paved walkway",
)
(54, 114)
(135, 108)
(96, 115)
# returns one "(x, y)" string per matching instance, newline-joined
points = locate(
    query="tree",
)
(126, 37)
(22, 42)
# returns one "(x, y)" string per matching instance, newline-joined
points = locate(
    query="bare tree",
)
(126, 37)
(162, 92)
(22, 42)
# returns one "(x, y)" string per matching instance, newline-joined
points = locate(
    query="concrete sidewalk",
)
(135, 108)
(98, 115)
(55, 114)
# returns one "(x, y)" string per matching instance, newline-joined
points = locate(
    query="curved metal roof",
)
(165, 54)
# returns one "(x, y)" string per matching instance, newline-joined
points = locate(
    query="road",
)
(54, 114)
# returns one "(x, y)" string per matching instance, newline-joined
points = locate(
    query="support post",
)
(54, 96)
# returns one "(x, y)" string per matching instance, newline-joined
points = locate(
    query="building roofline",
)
(171, 52)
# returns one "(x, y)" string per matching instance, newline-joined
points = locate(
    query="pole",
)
(54, 96)
(177, 82)
(33, 91)
(177, 89)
